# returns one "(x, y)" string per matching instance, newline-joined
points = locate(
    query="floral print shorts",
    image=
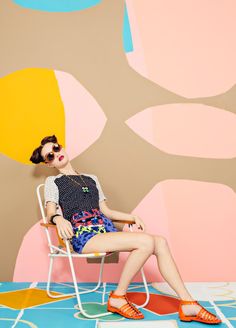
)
(87, 224)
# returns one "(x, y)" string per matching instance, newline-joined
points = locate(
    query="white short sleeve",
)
(51, 192)
(100, 192)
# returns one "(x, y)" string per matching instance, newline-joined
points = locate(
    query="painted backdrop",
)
(140, 93)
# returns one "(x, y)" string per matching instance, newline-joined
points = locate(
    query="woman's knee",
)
(160, 242)
(147, 242)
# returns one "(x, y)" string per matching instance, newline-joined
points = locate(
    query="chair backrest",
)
(39, 190)
(41, 203)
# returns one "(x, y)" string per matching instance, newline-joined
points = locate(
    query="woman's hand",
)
(139, 222)
(64, 227)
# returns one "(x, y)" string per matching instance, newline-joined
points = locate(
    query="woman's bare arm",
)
(114, 215)
(51, 210)
(64, 227)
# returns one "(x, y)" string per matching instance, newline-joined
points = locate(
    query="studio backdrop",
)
(141, 94)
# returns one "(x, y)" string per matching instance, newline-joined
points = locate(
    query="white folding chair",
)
(64, 249)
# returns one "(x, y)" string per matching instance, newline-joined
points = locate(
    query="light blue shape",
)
(57, 5)
(73, 5)
(127, 37)
(43, 318)
(6, 313)
(9, 286)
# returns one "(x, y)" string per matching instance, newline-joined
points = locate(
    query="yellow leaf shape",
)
(31, 109)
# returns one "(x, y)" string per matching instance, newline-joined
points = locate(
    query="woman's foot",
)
(120, 304)
(117, 302)
(191, 310)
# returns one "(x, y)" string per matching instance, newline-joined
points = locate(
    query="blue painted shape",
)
(43, 318)
(127, 37)
(8, 317)
(57, 5)
(9, 286)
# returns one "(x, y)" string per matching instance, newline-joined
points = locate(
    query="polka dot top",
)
(69, 196)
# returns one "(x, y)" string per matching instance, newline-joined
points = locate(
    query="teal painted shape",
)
(57, 5)
(73, 5)
(127, 37)
(95, 308)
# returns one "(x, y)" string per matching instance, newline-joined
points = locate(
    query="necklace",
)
(85, 189)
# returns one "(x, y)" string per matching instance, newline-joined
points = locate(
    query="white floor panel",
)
(202, 290)
(139, 323)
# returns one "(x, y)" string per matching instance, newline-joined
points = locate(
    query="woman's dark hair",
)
(36, 156)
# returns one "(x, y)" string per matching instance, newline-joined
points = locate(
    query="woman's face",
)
(60, 158)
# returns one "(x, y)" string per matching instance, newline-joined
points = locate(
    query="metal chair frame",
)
(58, 251)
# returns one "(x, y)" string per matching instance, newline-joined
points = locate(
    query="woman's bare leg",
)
(170, 273)
(168, 268)
(140, 245)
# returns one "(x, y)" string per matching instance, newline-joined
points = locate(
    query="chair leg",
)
(76, 288)
(77, 293)
(49, 282)
(147, 290)
(72, 294)
(99, 279)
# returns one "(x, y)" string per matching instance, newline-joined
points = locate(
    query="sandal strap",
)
(127, 309)
(129, 305)
(116, 296)
(182, 302)
(133, 308)
(204, 314)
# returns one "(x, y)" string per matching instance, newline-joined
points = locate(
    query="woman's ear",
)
(47, 164)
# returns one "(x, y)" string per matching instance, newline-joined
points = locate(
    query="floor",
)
(27, 305)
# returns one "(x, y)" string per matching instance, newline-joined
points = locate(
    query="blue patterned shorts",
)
(87, 224)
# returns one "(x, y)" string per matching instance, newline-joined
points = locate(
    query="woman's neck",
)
(69, 171)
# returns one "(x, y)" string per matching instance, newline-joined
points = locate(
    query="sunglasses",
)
(49, 157)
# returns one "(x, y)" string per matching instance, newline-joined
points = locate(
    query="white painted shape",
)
(140, 323)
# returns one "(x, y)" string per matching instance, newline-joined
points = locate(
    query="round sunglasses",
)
(49, 157)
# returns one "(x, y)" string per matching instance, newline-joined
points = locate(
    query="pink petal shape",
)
(202, 228)
(188, 130)
(184, 46)
(197, 219)
(80, 107)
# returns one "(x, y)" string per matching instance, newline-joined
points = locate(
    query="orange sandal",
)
(202, 316)
(127, 310)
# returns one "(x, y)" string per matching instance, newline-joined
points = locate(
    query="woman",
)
(87, 221)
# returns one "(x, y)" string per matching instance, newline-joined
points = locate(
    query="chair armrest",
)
(124, 221)
(50, 225)
(61, 241)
